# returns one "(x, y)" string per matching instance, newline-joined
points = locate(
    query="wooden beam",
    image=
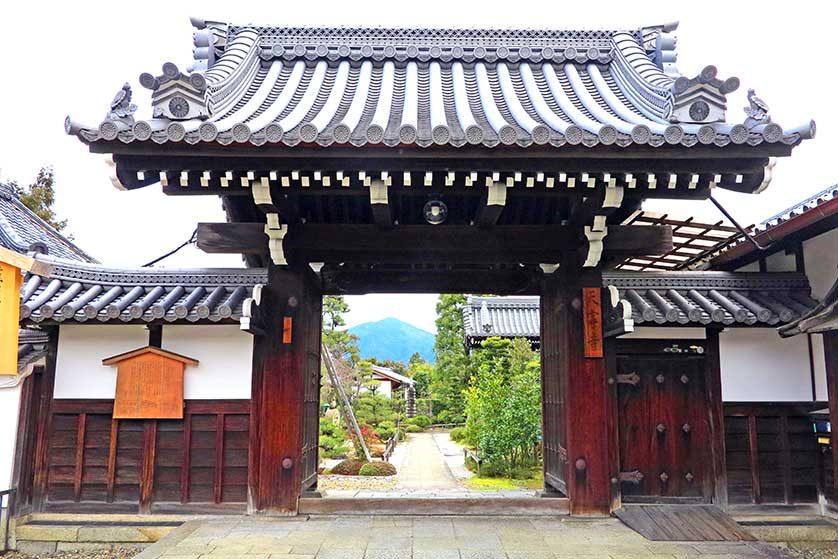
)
(492, 204)
(338, 279)
(379, 204)
(425, 243)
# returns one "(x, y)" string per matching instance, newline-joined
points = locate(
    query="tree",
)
(503, 404)
(451, 372)
(343, 344)
(421, 372)
(40, 197)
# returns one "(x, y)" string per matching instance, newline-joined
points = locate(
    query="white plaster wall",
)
(385, 388)
(79, 372)
(752, 267)
(9, 402)
(661, 333)
(225, 356)
(757, 365)
(820, 366)
(820, 254)
(780, 262)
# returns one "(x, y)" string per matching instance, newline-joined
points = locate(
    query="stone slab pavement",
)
(424, 467)
(432, 537)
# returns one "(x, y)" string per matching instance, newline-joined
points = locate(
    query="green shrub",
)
(413, 429)
(443, 417)
(422, 421)
(458, 434)
(384, 433)
(377, 469)
(348, 467)
(387, 425)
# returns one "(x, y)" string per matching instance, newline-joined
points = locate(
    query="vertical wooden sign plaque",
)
(10, 282)
(592, 321)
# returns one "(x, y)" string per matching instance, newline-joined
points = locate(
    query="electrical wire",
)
(191, 241)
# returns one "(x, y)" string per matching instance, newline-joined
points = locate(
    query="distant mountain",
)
(391, 338)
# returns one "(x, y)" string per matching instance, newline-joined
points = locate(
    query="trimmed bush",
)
(413, 429)
(422, 421)
(377, 469)
(384, 433)
(458, 434)
(348, 467)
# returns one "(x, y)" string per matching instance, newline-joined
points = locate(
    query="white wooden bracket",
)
(595, 245)
(276, 233)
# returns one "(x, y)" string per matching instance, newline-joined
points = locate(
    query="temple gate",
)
(352, 161)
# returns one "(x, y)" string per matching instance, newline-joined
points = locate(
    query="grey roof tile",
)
(430, 87)
(663, 299)
(21, 230)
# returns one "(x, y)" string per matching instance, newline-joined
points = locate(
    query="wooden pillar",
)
(830, 354)
(42, 430)
(586, 422)
(713, 375)
(285, 364)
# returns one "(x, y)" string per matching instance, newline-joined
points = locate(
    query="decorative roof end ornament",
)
(702, 99)
(756, 111)
(122, 109)
(176, 96)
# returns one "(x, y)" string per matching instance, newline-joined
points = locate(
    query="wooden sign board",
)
(149, 384)
(592, 321)
(10, 283)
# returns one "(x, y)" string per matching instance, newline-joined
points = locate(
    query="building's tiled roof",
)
(75, 292)
(823, 318)
(810, 212)
(392, 375)
(430, 87)
(21, 230)
(31, 347)
(663, 298)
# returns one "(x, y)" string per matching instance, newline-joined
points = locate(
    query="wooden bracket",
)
(380, 203)
(595, 245)
(618, 318)
(493, 204)
(251, 319)
(276, 234)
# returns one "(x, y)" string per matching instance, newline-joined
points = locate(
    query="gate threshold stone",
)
(412, 506)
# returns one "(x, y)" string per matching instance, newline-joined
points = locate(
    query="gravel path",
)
(814, 550)
(117, 553)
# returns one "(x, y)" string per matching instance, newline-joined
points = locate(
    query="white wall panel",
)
(225, 356)
(9, 403)
(79, 372)
(820, 255)
(758, 365)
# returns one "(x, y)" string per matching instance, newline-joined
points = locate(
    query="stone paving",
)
(424, 467)
(389, 537)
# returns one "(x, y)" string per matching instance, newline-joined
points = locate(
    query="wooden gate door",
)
(664, 428)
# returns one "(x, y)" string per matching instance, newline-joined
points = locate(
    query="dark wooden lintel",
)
(425, 243)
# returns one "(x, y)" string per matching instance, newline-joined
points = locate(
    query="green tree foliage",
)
(40, 197)
(342, 343)
(451, 372)
(332, 439)
(503, 404)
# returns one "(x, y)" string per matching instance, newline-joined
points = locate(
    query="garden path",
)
(424, 466)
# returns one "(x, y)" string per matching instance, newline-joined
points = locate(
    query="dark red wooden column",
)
(830, 354)
(586, 418)
(285, 359)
